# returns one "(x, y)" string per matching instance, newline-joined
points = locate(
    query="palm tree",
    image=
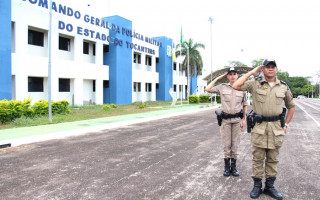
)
(195, 59)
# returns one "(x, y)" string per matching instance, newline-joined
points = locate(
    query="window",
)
(174, 88)
(64, 85)
(180, 88)
(157, 60)
(94, 49)
(148, 60)
(157, 85)
(174, 66)
(136, 87)
(93, 85)
(35, 84)
(105, 48)
(85, 48)
(137, 58)
(64, 44)
(105, 84)
(35, 38)
(148, 87)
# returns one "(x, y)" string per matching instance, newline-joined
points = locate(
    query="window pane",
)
(64, 43)
(105, 84)
(35, 84)
(35, 38)
(85, 48)
(64, 85)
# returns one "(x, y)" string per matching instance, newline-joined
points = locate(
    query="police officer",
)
(268, 95)
(232, 102)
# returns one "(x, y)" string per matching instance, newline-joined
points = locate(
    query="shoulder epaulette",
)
(259, 78)
(284, 83)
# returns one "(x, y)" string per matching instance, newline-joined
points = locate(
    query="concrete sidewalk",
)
(26, 135)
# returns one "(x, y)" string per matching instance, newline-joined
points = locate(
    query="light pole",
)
(49, 60)
(210, 20)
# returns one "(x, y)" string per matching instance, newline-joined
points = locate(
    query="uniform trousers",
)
(230, 134)
(264, 161)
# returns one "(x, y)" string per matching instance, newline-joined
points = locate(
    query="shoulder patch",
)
(284, 83)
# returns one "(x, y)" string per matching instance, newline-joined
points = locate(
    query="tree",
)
(258, 62)
(195, 59)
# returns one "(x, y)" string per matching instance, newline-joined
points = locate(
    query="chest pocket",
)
(261, 95)
(239, 96)
(226, 95)
(279, 97)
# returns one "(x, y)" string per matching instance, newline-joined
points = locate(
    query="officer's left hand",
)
(242, 124)
(285, 129)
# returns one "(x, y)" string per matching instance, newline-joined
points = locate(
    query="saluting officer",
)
(232, 101)
(268, 95)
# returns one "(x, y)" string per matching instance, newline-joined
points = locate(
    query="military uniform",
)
(232, 101)
(267, 137)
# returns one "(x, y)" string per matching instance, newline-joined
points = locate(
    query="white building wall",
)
(179, 78)
(32, 61)
(143, 74)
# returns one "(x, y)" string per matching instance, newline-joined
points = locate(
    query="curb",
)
(82, 131)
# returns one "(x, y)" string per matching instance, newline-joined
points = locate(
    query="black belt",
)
(271, 119)
(228, 116)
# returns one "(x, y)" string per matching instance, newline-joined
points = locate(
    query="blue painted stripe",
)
(5, 50)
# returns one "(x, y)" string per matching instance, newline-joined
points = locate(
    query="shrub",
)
(60, 107)
(193, 99)
(204, 98)
(106, 107)
(114, 106)
(6, 114)
(10, 110)
(41, 107)
(141, 104)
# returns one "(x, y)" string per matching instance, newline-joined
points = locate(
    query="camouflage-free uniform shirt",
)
(268, 101)
(232, 101)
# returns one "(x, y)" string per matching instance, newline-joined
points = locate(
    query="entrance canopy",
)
(215, 74)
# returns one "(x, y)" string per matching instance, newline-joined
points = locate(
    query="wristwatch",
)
(286, 125)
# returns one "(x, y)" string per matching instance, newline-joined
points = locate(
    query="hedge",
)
(193, 99)
(13, 109)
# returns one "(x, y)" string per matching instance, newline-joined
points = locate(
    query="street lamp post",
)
(49, 60)
(210, 20)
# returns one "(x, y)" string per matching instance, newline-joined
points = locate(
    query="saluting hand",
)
(222, 76)
(256, 70)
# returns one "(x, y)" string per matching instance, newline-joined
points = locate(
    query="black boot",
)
(257, 188)
(226, 167)
(270, 189)
(234, 170)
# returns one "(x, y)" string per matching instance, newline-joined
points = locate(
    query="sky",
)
(242, 30)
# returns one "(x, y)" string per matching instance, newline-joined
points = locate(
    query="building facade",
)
(94, 60)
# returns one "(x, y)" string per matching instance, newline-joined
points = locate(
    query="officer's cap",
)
(268, 61)
(232, 69)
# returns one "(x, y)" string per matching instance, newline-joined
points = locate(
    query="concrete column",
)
(78, 49)
(78, 91)
(99, 53)
(143, 92)
(19, 67)
(99, 92)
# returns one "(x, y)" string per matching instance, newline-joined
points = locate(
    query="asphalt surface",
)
(178, 157)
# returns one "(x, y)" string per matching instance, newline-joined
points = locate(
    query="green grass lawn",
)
(87, 112)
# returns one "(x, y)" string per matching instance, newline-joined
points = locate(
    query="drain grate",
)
(2, 146)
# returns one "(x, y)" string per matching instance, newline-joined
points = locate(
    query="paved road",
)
(173, 158)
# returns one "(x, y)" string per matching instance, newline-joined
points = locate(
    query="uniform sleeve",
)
(245, 102)
(248, 86)
(216, 89)
(288, 100)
